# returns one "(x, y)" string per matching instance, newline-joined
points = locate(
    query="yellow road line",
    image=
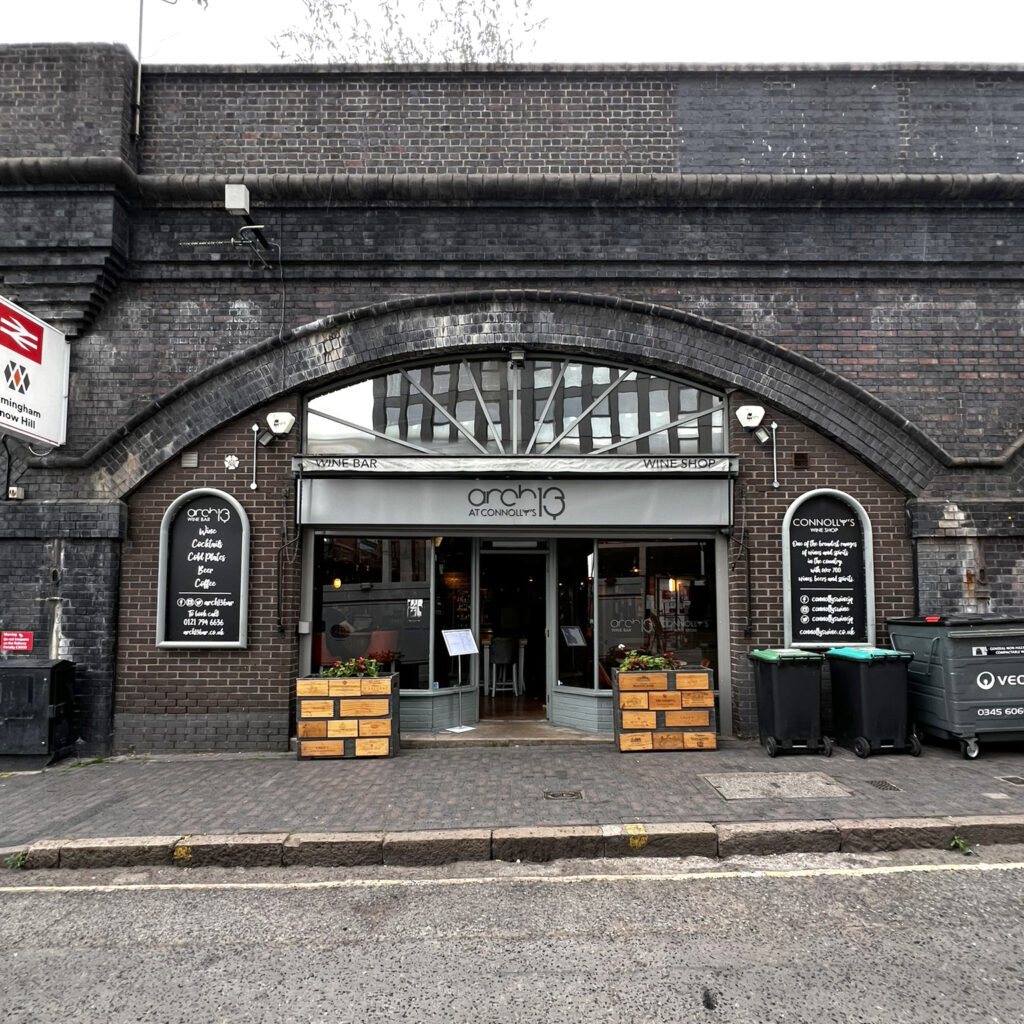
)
(423, 883)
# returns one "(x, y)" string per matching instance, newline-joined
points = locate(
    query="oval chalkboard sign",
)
(204, 572)
(827, 574)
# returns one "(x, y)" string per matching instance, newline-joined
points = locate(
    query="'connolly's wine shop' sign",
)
(827, 572)
(204, 572)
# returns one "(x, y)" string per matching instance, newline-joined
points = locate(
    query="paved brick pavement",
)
(495, 787)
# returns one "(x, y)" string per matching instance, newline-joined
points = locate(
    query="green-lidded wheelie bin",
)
(788, 684)
(966, 676)
(869, 700)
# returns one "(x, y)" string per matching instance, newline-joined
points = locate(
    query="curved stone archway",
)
(361, 342)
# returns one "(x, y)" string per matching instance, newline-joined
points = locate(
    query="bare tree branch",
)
(384, 32)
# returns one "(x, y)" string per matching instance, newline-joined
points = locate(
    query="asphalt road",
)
(893, 938)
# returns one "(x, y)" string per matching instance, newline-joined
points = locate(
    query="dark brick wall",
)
(66, 100)
(913, 298)
(63, 252)
(61, 566)
(581, 120)
(918, 306)
(760, 510)
(943, 355)
(208, 699)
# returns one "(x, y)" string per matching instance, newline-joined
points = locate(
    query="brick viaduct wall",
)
(180, 699)
(576, 120)
(380, 185)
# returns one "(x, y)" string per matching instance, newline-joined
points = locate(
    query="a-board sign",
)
(829, 587)
(204, 572)
(459, 641)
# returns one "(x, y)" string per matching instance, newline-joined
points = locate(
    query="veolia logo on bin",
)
(986, 680)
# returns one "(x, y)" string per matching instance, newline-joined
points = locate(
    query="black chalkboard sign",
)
(827, 544)
(204, 572)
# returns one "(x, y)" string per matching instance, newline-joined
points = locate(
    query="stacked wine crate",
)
(347, 717)
(672, 710)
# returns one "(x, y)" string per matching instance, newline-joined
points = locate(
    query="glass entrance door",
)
(513, 629)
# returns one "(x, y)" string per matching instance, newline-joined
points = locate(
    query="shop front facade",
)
(562, 512)
(496, 430)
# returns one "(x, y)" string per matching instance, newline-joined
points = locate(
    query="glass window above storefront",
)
(503, 407)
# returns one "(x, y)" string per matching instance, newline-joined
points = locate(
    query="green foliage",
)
(633, 661)
(407, 32)
(352, 667)
(16, 861)
(961, 844)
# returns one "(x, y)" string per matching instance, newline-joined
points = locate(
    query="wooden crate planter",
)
(664, 710)
(339, 717)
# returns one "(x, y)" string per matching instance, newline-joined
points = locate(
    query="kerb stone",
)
(245, 850)
(334, 849)
(547, 843)
(442, 846)
(685, 839)
(873, 835)
(43, 854)
(762, 838)
(989, 829)
(117, 852)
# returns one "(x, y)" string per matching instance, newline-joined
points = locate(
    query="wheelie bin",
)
(966, 676)
(869, 700)
(788, 684)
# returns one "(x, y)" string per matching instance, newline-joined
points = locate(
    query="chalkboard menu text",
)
(827, 575)
(204, 572)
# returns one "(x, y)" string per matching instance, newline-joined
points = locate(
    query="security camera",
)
(750, 416)
(280, 423)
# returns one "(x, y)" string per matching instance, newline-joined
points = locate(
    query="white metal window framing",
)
(538, 407)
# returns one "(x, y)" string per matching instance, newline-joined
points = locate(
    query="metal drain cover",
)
(776, 786)
(568, 794)
(882, 784)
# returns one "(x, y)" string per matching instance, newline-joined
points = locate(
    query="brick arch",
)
(365, 341)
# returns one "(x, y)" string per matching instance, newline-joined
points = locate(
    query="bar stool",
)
(504, 669)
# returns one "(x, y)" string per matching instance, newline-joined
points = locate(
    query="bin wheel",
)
(914, 745)
(969, 749)
(771, 746)
(861, 747)
(826, 746)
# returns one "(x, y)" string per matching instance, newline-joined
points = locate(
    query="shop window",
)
(575, 613)
(453, 602)
(657, 599)
(373, 600)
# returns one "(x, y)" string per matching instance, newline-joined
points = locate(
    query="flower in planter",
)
(633, 661)
(353, 667)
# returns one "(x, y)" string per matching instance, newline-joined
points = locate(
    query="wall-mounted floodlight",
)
(517, 356)
(750, 417)
(236, 200)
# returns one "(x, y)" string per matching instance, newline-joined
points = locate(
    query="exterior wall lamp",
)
(750, 418)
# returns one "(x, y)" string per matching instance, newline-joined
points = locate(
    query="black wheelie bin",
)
(788, 684)
(966, 677)
(869, 700)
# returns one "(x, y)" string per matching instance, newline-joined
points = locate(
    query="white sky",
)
(579, 31)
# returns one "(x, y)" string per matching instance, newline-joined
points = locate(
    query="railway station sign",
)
(34, 359)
